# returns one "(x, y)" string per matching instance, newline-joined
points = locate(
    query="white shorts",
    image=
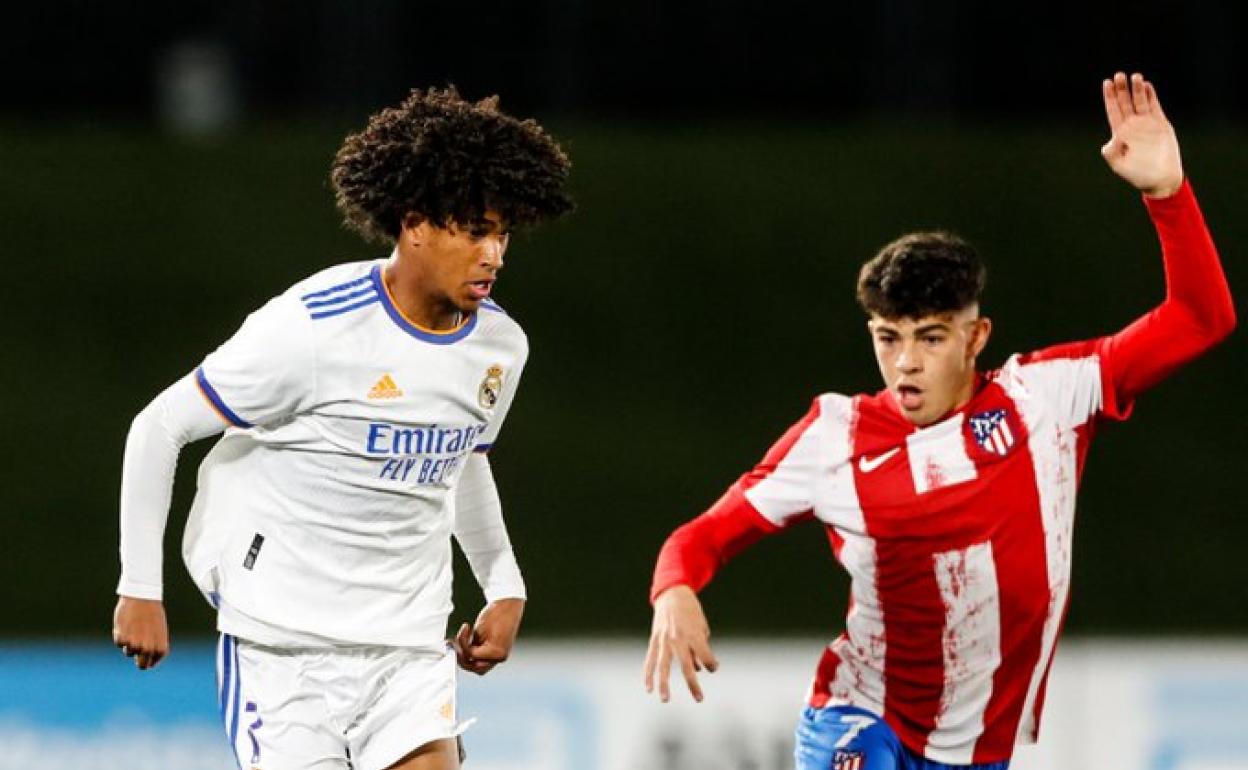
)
(336, 708)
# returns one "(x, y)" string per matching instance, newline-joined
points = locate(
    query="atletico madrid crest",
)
(992, 431)
(847, 760)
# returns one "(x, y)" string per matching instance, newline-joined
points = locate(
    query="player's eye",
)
(484, 231)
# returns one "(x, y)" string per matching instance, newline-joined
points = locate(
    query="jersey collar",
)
(419, 332)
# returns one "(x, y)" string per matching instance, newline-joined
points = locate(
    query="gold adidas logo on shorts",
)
(385, 388)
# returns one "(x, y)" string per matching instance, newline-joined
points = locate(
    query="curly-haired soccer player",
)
(949, 496)
(357, 406)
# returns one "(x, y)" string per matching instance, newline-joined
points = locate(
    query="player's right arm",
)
(262, 373)
(173, 419)
(775, 495)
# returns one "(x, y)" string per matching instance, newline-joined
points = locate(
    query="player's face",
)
(459, 263)
(928, 363)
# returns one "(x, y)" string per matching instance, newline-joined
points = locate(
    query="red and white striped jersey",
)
(957, 535)
(957, 538)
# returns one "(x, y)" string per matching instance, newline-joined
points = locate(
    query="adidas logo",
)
(385, 388)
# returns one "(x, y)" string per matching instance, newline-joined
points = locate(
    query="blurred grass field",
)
(679, 321)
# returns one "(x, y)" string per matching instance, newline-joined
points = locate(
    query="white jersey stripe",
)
(1072, 386)
(859, 679)
(1053, 447)
(786, 491)
(971, 645)
(938, 456)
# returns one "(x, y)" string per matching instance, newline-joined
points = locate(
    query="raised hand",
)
(1142, 148)
(679, 631)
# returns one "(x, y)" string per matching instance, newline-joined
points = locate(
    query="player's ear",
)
(412, 226)
(981, 330)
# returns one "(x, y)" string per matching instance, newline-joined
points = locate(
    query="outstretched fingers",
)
(652, 663)
(1122, 95)
(1142, 148)
(1139, 97)
(1154, 104)
(680, 632)
(659, 667)
(691, 655)
(1113, 112)
(689, 668)
(705, 658)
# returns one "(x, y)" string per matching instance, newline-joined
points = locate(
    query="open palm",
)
(1143, 148)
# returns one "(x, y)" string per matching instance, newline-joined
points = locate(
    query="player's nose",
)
(908, 360)
(492, 254)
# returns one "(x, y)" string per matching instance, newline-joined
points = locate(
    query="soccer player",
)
(949, 496)
(357, 408)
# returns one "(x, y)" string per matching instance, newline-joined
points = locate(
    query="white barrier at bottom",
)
(579, 705)
(1116, 705)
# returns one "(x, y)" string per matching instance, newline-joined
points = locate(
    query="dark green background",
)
(679, 321)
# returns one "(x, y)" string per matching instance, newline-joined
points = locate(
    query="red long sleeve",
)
(1197, 313)
(697, 549)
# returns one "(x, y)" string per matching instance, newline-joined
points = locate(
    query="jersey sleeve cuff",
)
(662, 585)
(497, 593)
(1180, 198)
(137, 590)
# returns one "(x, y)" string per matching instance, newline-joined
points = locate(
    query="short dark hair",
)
(448, 160)
(921, 274)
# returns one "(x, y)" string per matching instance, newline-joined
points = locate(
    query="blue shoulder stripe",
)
(339, 287)
(340, 309)
(340, 298)
(489, 304)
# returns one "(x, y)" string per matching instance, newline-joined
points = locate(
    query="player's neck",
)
(966, 394)
(418, 306)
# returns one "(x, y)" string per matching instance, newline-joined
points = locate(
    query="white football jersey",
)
(324, 514)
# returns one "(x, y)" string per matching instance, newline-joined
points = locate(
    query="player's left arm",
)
(1198, 311)
(482, 535)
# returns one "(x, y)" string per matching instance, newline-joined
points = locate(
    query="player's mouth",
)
(480, 290)
(909, 397)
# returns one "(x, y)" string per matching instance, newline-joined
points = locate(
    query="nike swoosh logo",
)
(866, 465)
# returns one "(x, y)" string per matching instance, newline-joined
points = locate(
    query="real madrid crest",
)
(491, 387)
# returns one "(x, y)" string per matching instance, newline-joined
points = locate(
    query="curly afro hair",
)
(921, 274)
(447, 160)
